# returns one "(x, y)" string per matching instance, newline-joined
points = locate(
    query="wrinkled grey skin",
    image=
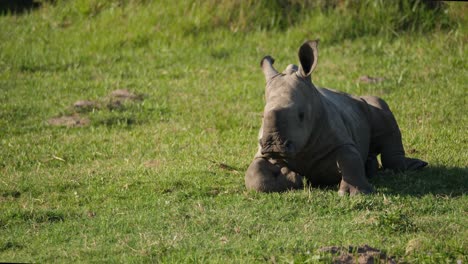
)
(327, 136)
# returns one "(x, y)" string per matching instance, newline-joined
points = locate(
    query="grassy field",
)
(159, 177)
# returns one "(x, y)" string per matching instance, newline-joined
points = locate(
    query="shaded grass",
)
(163, 180)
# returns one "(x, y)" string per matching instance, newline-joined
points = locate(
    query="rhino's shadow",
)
(18, 6)
(436, 180)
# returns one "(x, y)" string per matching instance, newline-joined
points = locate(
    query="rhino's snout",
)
(275, 140)
(271, 145)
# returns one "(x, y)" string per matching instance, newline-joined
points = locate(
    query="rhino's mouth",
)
(281, 159)
(278, 151)
(277, 148)
(276, 155)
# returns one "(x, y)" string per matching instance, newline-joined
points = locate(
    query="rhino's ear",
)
(308, 56)
(267, 67)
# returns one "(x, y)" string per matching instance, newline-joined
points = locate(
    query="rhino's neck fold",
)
(321, 139)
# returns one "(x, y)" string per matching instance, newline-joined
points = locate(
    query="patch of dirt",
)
(362, 255)
(74, 120)
(115, 100)
(85, 106)
(152, 164)
(125, 94)
(369, 79)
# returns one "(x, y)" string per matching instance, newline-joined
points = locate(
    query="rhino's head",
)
(292, 105)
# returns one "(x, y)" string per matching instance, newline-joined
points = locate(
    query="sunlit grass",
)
(162, 179)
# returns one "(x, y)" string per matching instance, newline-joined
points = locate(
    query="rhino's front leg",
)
(271, 176)
(353, 173)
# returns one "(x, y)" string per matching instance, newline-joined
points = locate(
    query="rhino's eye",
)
(301, 116)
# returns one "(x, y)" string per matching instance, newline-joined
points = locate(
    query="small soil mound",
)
(85, 106)
(124, 94)
(116, 100)
(362, 255)
(74, 120)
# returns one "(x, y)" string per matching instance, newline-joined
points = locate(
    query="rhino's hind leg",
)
(263, 176)
(392, 153)
(387, 138)
(393, 157)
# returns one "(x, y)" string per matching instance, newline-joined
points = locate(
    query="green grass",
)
(161, 180)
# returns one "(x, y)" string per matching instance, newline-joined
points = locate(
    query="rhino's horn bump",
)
(267, 67)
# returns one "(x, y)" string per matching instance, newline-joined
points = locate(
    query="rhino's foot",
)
(263, 176)
(414, 164)
(353, 173)
(346, 188)
(404, 164)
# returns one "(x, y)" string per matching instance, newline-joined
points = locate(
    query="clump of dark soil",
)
(116, 100)
(362, 255)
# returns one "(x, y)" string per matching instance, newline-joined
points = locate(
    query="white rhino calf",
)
(327, 136)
